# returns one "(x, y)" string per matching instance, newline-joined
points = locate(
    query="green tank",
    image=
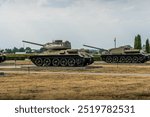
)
(59, 53)
(123, 54)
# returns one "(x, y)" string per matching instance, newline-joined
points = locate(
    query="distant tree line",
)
(15, 49)
(138, 44)
(21, 49)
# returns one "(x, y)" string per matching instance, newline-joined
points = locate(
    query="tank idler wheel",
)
(122, 60)
(115, 59)
(38, 61)
(108, 59)
(129, 59)
(135, 59)
(63, 62)
(71, 62)
(47, 62)
(55, 62)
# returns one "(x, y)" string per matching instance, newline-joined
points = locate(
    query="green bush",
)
(16, 56)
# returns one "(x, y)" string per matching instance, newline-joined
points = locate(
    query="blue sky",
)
(94, 22)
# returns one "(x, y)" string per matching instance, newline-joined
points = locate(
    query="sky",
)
(92, 22)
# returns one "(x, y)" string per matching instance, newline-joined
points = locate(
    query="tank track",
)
(60, 61)
(2, 59)
(124, 58)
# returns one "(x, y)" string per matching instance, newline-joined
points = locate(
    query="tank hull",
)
(2, 59)
(61, 60)
(128, 58)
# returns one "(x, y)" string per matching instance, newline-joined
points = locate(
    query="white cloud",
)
(95, 22)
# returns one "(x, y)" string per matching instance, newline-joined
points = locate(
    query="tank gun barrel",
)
(32, 43)
(93, 47)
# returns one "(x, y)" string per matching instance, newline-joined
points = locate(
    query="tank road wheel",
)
(63, 62)
(47, 62)
(38, 61)
(128, 59)
(71, 62)
(79, 62)
(108, 59)
(115, 59)
(122, 59)
(135, 59)
(55, 62)
(141, 59)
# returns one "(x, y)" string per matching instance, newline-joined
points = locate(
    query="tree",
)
(28, 50)
(137, 42)
(147, 46)
(21, 49)
(8, 51)
(42, 49)
(15, 50)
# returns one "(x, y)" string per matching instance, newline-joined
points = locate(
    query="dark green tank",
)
(59, 53)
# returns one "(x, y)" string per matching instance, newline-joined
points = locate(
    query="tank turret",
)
(55, 45)
(59, 53)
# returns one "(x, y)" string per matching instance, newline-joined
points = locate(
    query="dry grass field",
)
(56, 85)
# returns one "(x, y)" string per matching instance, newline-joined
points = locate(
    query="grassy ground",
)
(62, 86)
(79, 86)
